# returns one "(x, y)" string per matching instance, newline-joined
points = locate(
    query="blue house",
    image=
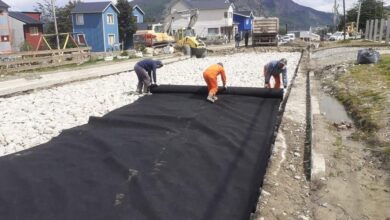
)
(138, 14)
(244, 20)
(96, 24)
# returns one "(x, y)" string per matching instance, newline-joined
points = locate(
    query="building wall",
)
(139, 15)
(245, 23)
(110, 28)
(5, 46)
(33, 39)
(17, 33)
(207, 19)
(179, 6)
(92, 29)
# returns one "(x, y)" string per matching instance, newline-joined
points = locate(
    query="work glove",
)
(284, 90)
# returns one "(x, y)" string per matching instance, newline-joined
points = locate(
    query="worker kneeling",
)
(210, 76)
(146, 73)
(274, 69)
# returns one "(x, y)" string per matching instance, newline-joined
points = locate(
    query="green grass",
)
(338, 143)
(344, 41)
(365, 91)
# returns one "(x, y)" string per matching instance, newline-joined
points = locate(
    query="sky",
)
(321, 5)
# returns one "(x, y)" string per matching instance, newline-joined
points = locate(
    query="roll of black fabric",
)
(245, 91)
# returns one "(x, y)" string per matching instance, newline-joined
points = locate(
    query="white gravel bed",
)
(32, 119)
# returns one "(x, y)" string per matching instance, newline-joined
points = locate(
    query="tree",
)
(64, 21)
(45, 9)
(127, 22)
(371, 9)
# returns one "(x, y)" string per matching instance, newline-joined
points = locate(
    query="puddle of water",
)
(333, 109)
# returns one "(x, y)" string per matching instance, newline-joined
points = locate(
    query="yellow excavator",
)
(185, 37)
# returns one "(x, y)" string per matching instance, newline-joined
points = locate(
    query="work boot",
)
(215, 98)
(146, 88)
(210, 99)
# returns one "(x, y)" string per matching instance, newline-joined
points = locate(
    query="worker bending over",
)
(146, 73)
(274, 69)
(210, 76)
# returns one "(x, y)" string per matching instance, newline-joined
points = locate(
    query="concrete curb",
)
(318, 166)
(13, 87)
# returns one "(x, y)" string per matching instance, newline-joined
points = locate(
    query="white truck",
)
(265, 31)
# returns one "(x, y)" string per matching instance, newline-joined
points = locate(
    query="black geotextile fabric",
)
(166, 156)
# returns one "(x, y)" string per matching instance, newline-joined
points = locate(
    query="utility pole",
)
(286, 29)
(345, 20)
(335, 15)
(382, 8)
(55, 24)
(358, 16)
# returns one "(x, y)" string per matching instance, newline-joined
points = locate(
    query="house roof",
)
(23, 17)
(3, 5)
(92, 7)
(139, 8)
(209, 5)
(244, 13)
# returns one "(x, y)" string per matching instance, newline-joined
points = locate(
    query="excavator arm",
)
(185, 36)
(193, 15)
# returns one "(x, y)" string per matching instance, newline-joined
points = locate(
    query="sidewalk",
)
(11, 87)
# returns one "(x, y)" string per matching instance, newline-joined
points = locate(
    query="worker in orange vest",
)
(210, 76)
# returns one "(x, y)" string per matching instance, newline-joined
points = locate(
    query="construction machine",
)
(185, 37)
(265, 31)
(152, 35)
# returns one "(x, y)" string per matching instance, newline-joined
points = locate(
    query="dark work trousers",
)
(246, 41)
(143, 79)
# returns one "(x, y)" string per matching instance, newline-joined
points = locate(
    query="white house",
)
(215, 17)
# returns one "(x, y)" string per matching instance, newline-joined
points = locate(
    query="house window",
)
(136, 18)
(4, 38)
(34, 31)
(111, 39)
(213, 31)
(81, 39)
(228, 14)
(79, 19)
(110, 19)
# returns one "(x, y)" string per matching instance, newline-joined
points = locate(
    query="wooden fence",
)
(25, 61)
(378, 30)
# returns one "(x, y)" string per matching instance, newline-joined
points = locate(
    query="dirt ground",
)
(354, 185)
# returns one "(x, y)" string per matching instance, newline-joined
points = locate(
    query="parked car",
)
(284, 39)
(291, 36)
(339, 36)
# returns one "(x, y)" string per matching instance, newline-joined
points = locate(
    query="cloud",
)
(327, 5)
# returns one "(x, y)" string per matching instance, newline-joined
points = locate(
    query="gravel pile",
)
(32, 119)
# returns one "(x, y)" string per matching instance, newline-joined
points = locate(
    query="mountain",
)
(297, 17)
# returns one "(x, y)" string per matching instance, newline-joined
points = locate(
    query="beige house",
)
(215, 17)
